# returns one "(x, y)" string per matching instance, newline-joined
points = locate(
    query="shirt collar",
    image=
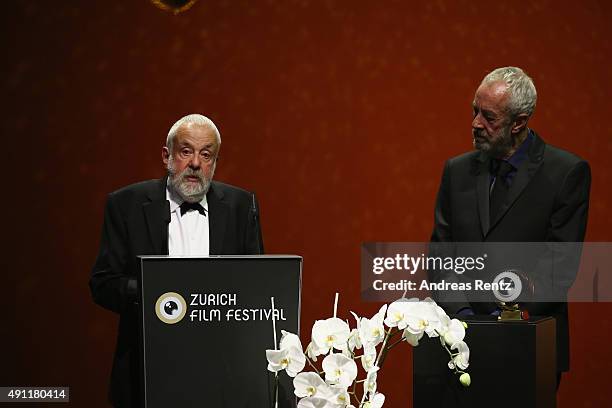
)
(521, 153)
(175, 202)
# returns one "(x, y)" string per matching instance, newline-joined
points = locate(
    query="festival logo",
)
(170, 308)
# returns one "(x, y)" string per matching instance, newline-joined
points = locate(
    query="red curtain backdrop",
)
(339, 114)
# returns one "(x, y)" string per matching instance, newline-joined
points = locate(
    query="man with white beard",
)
(185, 213)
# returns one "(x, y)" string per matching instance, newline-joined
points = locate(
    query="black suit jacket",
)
(547, 202)
(136, 221)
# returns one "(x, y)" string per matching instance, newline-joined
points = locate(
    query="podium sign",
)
(512, 364)
(205, 326)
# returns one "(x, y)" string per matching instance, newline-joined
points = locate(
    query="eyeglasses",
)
(186, 153)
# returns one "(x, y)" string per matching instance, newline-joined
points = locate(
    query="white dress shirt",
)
(187, 234)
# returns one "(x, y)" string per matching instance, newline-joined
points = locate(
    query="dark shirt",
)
(519, 156)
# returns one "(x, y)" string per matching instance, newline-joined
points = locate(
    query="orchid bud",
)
(465, 379)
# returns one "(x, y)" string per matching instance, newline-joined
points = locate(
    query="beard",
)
(190, 191)
(497, 145)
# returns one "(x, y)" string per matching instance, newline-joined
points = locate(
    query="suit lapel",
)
(157, 214)
(523, 176)
(218, 212)
(481, 169)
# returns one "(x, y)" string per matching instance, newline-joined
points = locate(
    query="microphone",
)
(254, 205)
(167, 212)
(255, 211)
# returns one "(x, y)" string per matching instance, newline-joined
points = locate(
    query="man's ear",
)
(519, 123)
(165, 155)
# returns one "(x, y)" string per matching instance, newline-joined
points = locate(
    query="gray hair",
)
(194, 118)
(520, 88)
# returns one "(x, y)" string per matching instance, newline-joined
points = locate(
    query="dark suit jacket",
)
(548, 202)
(136, 221)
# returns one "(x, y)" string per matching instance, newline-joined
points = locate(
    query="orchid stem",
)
(383, 350)
(394, 344)
(336, 305)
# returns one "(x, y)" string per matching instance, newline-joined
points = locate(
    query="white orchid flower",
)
(372, 331)
(454, 332)
(462, 359)
(309, 384)
(411, 338)
(291, 360)
(289, 357)
(341, 397)
(369, 385)
(328, 334)
(339, 369)
(354, 342)
(368, 359)
(396, 313)
(445, 321)
(375, 401)
(422, 317)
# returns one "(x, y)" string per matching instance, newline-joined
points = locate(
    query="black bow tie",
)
(192, 206)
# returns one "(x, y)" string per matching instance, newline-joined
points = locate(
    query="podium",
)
(512, 364)
(205, 324)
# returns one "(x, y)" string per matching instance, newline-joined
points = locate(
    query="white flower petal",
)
(455, 332)
(462, 359)
(340, 396)
(368, 358)
(339, 369)
(330, 333)
(277, 360)
(312, 351)
(314, 402)
(292, 360)
(354, 341)
(411, 338)
(369, 385)
(377, 400)
(289, 340)
(297, 361)
(310, 384)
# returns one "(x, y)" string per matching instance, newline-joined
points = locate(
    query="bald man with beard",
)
(185, 213)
